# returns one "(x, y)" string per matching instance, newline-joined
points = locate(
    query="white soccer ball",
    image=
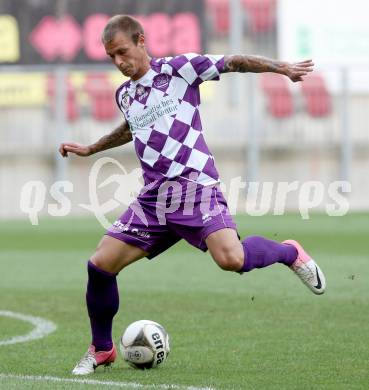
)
(145, 344)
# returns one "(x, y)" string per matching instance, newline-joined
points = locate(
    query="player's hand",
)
(296, 71)
(71, 147)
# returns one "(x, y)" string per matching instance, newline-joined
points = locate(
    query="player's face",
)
(129, 58)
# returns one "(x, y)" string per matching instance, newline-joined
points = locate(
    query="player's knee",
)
(100, 261)
(229, 260)
(104, 260)
(109, 260)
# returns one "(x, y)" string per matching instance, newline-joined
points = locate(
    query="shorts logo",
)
(121, 228)
(125, 101)
(161, 81)
(206, 218)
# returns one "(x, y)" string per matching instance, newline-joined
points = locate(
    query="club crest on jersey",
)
(141, 92)
(161, 81)
(125, 101)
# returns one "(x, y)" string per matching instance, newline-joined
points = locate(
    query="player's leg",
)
(226, 249)
(212, 227)
(258, 252)
(102, 298)
(253, 252)
(136, 234)
(217, 232)
(112, 255)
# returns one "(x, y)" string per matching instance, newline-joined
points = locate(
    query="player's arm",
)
(120, 136)
(257, 64)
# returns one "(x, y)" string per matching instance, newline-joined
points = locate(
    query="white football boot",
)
(92, 359)
(307, 269)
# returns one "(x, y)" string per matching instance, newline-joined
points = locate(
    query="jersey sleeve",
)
(196, 68)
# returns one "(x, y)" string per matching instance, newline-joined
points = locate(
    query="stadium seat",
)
(102, 96)
(219, 11)
(262, 14)
(72, 105)
(316, 95)
(278, 95)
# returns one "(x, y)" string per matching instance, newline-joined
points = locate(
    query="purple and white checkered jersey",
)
(162, 110)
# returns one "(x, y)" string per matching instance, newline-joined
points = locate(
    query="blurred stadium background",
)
(56, 84)
(259, 331)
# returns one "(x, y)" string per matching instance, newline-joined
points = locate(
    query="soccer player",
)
(181, 197)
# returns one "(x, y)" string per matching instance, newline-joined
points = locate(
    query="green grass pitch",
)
(264, 330)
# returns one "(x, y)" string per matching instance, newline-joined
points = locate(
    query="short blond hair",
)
(124, 23)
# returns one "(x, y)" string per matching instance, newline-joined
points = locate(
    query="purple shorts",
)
(160, 218)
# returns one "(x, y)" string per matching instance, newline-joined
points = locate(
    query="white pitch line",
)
(42, 328)
(101, 383)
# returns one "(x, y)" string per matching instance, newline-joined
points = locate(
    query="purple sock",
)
(260, 253)
(102, 300)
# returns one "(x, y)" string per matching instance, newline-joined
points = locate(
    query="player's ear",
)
(141, 40)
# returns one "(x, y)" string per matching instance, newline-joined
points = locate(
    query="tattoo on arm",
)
(120, 136)
(255, 64)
